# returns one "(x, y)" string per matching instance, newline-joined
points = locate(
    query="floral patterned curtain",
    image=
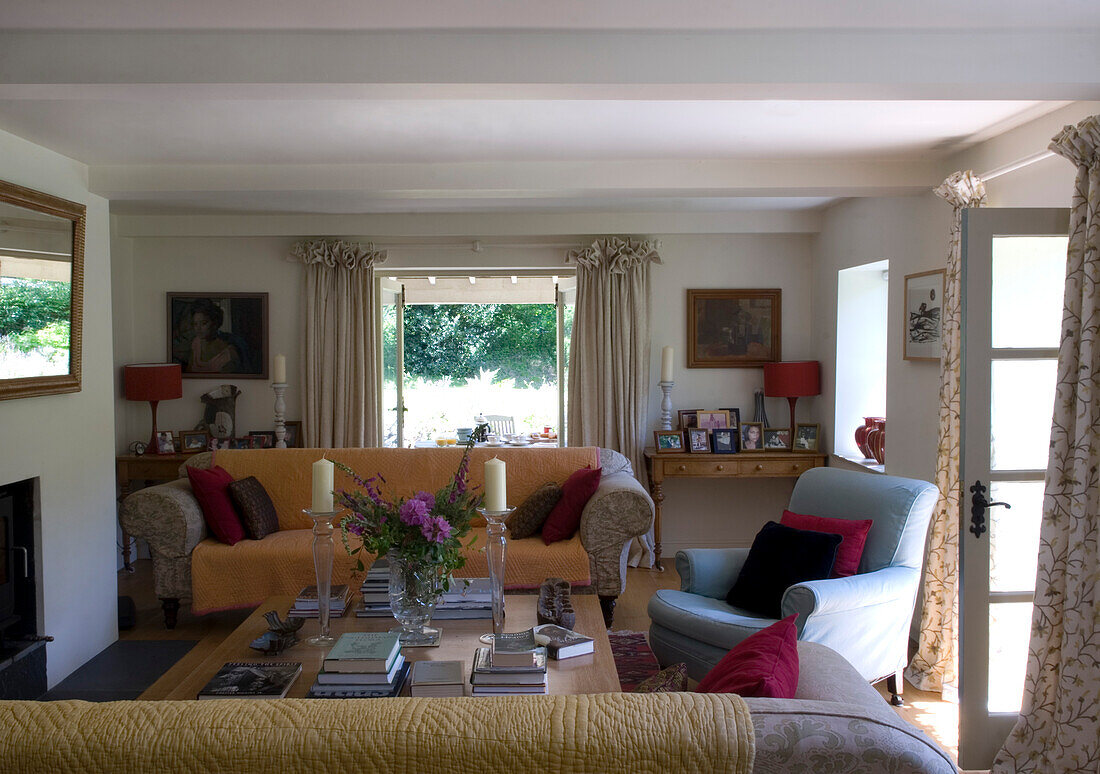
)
(1059, 725)
(935, 665)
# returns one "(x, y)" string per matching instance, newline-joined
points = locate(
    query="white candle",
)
(278, 370)
(666, 364)
(323, 471)
(496, 496)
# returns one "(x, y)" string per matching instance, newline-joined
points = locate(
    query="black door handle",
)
(978, 506)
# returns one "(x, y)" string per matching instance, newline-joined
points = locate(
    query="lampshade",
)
(153, 381)
(795, 379)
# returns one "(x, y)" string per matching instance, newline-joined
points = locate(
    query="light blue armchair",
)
(865, 617)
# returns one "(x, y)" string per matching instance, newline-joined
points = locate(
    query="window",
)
(861, 324)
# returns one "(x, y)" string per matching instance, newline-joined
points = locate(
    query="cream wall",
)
(66, 441)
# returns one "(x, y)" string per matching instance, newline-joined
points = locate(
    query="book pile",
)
(436, 678)
(252, 680)
(563, 643)
(305, 606)
(515, 664)
(467, 598)
(376, 591)
(362, 665)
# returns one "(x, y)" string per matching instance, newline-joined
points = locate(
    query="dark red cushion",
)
(565, 519)
(852, 531)
(211, 488)
(764, 664)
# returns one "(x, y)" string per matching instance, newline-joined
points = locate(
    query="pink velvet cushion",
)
(211, 488)
(852, 531)
(565, 519)
(764, 664)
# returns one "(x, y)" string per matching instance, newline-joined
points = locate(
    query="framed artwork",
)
(666, 441)
(293, 437)
(244, 442)
(265, 438)
(923, 315)
(733, 328)
(194, 440)
(166, 442)
(735, 417)
(777, 438)
(752, 434)
(698, 440)
(806, 437)
(713, 418)
(219, 443)
(688, 418)
(724, 440)
(212, 335)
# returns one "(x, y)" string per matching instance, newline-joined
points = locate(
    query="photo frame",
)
(698, 440)
(807, 437)
(668, 441)
(923, 324)
(735, 418)
(244, 442)
(166, 442)
(735, 328)
(194, 440)
(215, 335)
(688, 418)
(752, 436)
(712, 418)
(724, 440)
(293, 437)
(265, 437)
(777, 439)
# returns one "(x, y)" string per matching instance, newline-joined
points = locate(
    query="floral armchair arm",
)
(169, 519)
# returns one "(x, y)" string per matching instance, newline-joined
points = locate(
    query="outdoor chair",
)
(501, 425)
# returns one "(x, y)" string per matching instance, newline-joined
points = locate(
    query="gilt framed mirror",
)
(41, 292)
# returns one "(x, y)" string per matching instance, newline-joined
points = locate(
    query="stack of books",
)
(515, 664)
(467, 598)
(362, 665)
(252, 680)
(305, 606)
(436, 678)
(376, 591)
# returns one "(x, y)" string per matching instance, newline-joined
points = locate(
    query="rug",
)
(634, 660)
(122, 670)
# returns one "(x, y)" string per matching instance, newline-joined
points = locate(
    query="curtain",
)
(609, 354)
(1059, 725)
(935, 665)
(339, 373)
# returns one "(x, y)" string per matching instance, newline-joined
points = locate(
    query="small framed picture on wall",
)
(923, 315)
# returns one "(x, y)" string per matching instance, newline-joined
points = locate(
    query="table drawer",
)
(783, 467)
(720, 465)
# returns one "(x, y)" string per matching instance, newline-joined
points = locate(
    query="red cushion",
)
(852, 531)
(565, 519)
(211, 490)
(764, 664)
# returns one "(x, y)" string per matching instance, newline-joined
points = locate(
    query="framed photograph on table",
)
(265, 439)
(713, 419)
(724, 440)
(293, 437)
(688, 418)
(806, 437)
(194, 440)
(923, 315)
(737, 328)
(752, 434)
(777, 439)
(698, 440)
(166, 442)
(213, 335)
(668, 441)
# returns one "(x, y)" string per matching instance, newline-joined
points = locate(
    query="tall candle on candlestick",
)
(323, 476)
(666, 364)
(496, 496)
(278, 369)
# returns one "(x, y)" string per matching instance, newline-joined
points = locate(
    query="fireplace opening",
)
(22, 650)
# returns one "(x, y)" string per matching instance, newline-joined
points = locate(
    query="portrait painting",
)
(923, 315)
(733, 328)
(212, 335)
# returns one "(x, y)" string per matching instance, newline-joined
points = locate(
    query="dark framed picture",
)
(194, 440)
(713, 418)
(666, 441)
(219, 443)
(752, 436)
(265, 439)
(923, 315)
(293, 437)
(244, 442)
(777, 439)
(698, 440)
(212, 335)
(733, 328)
(806, 437)
(688, 418)
(724, 440)
(735, 417)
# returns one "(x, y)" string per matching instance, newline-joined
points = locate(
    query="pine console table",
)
(751, 464)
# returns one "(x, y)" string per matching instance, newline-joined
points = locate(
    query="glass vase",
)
(416, 584)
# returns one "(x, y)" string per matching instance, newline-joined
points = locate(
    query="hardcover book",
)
(563, 643)
(363, 652)
(252, 680)
(319, 691)
(483, 663)
(437, 678)
(309, 594)
(514, 648)
(373, 679)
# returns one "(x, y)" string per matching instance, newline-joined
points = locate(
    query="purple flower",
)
(414, 512)
(355, 529)
(436, 529)
(427, 498)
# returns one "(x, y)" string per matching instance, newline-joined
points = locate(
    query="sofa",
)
(836, 723)
(190, 564)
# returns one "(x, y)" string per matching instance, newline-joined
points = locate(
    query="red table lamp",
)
(792, 381)
(153, 382)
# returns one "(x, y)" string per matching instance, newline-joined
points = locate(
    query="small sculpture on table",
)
(280, 635)
(555, 605)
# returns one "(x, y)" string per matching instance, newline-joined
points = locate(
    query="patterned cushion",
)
(255, 507)
(668, 680)
(527, 519)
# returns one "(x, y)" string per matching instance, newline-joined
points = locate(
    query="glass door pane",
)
(1021, 407)
(1029, 274)
(1009, 635)
(392, 367)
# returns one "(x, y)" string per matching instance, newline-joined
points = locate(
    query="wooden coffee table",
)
(594, 673)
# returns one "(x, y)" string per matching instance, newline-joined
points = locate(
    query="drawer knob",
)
(721, 467)
(759, 467)
(682, 467)
(794, 466)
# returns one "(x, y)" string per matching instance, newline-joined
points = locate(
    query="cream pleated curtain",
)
(935, 665)
(1059, 726)
(339, 370)
(609, 354)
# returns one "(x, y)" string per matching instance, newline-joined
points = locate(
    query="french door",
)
(1013, 282)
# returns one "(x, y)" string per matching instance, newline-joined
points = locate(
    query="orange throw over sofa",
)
(216, 576)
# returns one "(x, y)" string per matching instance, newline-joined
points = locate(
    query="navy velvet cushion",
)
(780, 557)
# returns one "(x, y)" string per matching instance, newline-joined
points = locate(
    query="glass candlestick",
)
(496, 549)
(323, 552)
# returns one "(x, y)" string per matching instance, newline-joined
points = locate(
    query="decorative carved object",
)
(281, 635)
(555, 605)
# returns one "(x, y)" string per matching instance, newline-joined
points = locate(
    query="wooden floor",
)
(925, 710)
